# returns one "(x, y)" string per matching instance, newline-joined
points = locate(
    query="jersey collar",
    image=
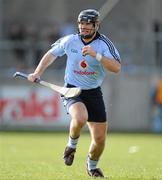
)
(96, 37)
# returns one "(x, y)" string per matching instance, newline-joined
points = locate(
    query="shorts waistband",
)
(85, 90)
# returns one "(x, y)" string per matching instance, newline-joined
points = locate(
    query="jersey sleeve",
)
(109, 50)
(58, 48)
(112, 53)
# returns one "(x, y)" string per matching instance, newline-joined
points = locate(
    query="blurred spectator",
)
(157, 106)
(54, 34)
(67, 28)
(157, 28)
(33, 37)
(17, 36)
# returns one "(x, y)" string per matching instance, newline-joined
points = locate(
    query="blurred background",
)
(28, 28)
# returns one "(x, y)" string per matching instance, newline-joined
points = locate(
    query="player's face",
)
(85, 28)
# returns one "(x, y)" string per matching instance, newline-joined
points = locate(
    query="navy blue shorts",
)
(93, 100)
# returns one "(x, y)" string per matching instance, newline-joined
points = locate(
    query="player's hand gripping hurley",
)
(66, 92)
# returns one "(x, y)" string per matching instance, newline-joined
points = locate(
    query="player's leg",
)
(79, 116)
(98, 133)
(97, 123)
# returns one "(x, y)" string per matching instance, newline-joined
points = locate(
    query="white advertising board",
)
(28, 106)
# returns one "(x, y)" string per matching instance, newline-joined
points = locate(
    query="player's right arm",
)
(56, 50)
(46, 60)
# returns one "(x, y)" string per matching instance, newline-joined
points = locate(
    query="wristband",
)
(98, 57)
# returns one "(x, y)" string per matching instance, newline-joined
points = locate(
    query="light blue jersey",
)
(84, 71)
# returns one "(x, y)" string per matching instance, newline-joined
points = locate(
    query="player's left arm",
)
(112, 65)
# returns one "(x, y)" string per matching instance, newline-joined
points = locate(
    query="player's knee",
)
(82, 119)
(79, 120)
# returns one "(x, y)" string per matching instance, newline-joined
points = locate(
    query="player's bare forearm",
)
(46, 60)
(111, 65)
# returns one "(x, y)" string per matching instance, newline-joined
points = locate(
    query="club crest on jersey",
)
(83, 64)
(74, 51)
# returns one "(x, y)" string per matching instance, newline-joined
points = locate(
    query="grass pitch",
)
(38, 156)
